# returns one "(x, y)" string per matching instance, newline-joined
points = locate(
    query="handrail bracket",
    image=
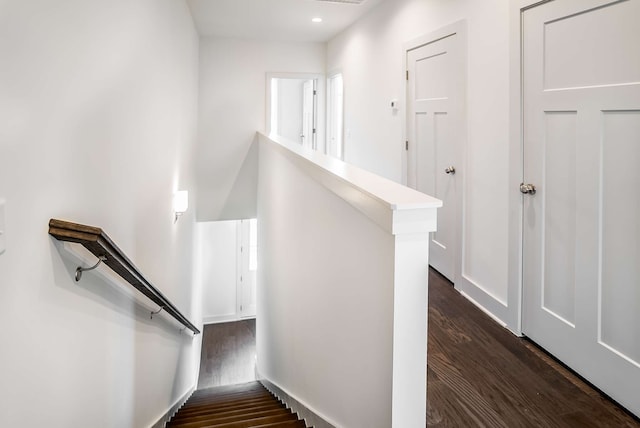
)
(80, 269)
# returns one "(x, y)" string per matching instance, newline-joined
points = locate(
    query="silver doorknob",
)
(450, 170)
(529, 189)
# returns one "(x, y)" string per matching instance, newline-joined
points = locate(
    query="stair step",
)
(248, 405)
(232, 413)
(236, 411)
(289, 424)
(220, 420)
(188, 408)
(250, 423)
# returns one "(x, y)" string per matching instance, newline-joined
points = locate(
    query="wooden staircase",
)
(235, 406)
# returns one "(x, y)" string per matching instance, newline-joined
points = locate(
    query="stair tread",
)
(248, 408)
(297, 423)
(253, 422)
(187, 408)
(215, 419)
(237, 415)
(248, 405)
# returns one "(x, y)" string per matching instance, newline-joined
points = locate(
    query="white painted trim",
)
(392, 206)
(328, 103)
(516, 165)
(484, 301)
(311, 416)
(475, 284)
(162, 421)
(239, 263)
(483, 309)
(219, 319)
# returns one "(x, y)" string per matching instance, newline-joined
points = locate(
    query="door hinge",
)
(315, 92)
(240, 308)
(314, 130)
(406, 145)
(407, 74)
(240, 278)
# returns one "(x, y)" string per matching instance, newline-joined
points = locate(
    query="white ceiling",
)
(284, 20)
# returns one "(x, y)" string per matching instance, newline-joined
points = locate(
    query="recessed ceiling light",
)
(316, 20)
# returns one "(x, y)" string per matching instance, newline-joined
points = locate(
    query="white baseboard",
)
(304, 411)
(483, 309)
(218, 319)
(173, 409)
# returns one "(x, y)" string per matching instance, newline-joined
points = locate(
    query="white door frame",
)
(309, 98)
(320, 108)
(458, 27)
(462, 282)
(516, 164)
(330, 105)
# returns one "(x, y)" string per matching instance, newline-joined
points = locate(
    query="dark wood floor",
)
(479, 374)
(228, 354)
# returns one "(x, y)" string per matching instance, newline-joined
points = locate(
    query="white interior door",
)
(247, 268)
(581, 74)
(308, 114)
(435, 124)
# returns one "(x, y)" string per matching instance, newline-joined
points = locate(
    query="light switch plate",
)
(3, 233)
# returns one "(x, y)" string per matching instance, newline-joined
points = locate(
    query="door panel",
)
(581, 281)
(619, 282)
(434, 124)
(559, 222)
(591, 51)
(431, 73)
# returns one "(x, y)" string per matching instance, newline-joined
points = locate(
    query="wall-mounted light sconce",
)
(180, 203)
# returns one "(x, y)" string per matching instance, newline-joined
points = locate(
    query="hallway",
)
(479, 374)
(228, 355)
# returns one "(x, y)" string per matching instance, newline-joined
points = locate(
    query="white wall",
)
(98, 103)
(342, 302)
(232, 108)
(370, 55)
(217, 260)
